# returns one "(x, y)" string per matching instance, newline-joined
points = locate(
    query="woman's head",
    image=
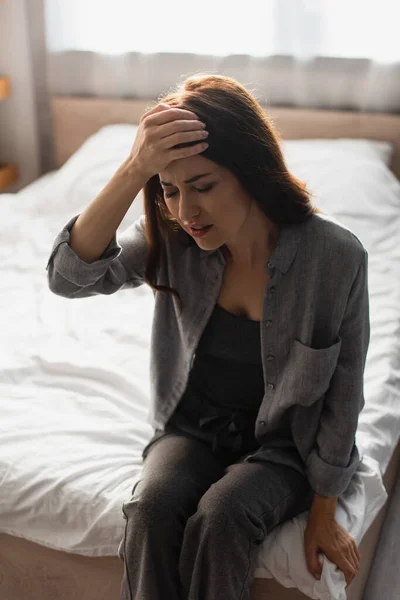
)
(245, 163)
(216, 198)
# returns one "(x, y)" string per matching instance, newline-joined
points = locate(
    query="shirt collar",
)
(285, 249)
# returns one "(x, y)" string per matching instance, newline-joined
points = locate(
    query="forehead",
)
(178, 171)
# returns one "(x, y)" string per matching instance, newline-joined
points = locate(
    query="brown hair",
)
(242, 139)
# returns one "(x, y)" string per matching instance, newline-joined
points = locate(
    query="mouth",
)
(200, 232)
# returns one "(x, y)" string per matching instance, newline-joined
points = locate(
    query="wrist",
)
(324, 505)
(134, 170)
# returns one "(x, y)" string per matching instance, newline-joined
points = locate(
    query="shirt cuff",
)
(72, 268)
(327, 479)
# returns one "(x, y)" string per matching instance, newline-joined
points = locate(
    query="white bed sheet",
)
(74, 382)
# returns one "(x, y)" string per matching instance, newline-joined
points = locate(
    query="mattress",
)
(74, 381)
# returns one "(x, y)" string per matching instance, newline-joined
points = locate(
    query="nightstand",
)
(8, 172)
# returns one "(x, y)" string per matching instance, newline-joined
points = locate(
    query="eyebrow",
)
(194, 178)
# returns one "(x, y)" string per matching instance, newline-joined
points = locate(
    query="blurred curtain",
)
(33, 22)
(302, 28)
(310, 53)
(331, 54)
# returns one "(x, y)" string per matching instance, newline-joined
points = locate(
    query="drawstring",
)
(226, 432)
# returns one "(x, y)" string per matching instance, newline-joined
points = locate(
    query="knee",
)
(153, 503)
(216, 508)
(222, 514)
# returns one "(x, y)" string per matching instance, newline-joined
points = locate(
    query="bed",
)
(74, 382)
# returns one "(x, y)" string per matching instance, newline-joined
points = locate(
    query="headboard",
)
(75, 118)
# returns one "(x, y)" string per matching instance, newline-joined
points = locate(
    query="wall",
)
(19, 140)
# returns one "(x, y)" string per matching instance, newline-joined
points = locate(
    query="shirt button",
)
(270, 264)
(270, 357)
(270, 386)
(268, 323)
(261, 423)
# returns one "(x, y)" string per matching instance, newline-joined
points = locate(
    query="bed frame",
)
(74, 119)
(34, 572)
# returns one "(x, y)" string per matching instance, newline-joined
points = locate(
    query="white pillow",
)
(349, 149)
(90, 168)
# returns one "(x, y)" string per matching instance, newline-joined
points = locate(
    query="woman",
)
(259, 341)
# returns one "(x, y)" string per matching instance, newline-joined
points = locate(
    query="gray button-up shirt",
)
(315, 329)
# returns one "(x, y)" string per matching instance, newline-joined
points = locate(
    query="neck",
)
(255, 258)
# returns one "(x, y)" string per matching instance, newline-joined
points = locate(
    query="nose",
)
(188, 211)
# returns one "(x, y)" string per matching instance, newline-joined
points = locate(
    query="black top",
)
(226, 384)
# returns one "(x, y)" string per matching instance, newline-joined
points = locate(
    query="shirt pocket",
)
(308, 372)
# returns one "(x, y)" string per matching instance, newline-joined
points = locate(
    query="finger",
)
(313, 563)
(348, 577)
(352, 558)
(357, 551)
(155, 109)
(173, 113)
(346, 566)
(356, 559)
(192, 127)
(314, 571)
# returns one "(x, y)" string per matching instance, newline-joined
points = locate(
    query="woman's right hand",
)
(161, 128)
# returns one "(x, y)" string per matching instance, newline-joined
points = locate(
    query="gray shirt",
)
(314, 329)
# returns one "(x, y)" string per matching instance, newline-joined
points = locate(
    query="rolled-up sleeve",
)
(121, 265)
(335, 457)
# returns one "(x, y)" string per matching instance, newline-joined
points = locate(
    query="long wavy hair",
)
(242, 139)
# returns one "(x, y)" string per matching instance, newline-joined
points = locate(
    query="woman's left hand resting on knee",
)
(324, 534)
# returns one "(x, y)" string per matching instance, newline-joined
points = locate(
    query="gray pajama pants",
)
(195, 521)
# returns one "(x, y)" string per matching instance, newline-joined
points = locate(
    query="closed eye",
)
(202, 190)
